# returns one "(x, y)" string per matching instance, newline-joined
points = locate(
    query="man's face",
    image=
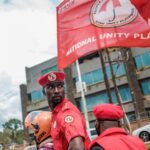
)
(54, 93)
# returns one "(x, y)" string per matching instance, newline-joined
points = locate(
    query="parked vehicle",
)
(143, 132)
(32, 147)
(1, 147)
(93, 133)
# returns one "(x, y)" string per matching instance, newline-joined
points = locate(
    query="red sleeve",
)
(72, 125)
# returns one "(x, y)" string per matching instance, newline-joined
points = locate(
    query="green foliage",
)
(5, 137)
(19, 136)
(1, 137)
(12, 132)
(12, 124)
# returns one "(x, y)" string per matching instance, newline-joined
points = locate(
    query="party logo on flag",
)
(112, 13)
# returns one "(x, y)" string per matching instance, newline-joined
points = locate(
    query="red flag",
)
(84, 27)
(115, 4)
(143, 7)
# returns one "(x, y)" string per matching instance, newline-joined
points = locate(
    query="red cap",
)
(108, 111)
(51, 77)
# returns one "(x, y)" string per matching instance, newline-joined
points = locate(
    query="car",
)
(93, 133)
(1, 147)
(143, 132)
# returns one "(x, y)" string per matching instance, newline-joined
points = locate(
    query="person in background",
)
(111, 135)
(68, 128)
(40, 123)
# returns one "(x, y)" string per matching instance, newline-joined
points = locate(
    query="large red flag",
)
(85, 26)
(143, 7)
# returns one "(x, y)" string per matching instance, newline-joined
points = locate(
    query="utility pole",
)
(138, 99)
(105, 77)
(82, 91)
(113, 79)
(24, 100)
(70, 86)
(118, 96)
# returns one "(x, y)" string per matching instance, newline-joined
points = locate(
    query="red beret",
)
(51, 77)
(108, 111)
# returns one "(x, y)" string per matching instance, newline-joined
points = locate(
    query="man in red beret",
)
(68, 128)
(111, 135)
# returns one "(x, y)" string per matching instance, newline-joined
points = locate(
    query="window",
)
(93, 100)
(108, 72)
(88, 57)
(131, 116)
(114, 98)
(142, 60)
(146, 59)
(125, 93)
(145, 85)
(119, 70)
(148, 112)
(100, 98)
(87, 78)
(29, 96)
(97, 75)
(138, 62)
(53, 68)
(36, 95)
(91, 77)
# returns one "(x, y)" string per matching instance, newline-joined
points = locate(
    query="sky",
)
(27, 38)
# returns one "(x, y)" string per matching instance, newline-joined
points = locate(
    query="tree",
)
(5, 137)
(19, 136)
(12, 126)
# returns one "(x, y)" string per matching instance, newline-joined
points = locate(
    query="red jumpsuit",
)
(118, 139)
(67, 123)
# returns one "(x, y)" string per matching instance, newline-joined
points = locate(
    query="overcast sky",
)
(27, 37)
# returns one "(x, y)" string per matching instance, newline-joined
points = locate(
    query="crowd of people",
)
(64, 128)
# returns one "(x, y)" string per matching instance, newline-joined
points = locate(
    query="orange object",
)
(40, 123)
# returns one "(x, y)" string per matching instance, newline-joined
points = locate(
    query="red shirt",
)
(118, 139)
(67, 123)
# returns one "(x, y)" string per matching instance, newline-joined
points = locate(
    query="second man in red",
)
(111, 135)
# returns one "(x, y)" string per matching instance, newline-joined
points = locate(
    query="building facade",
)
(96, 92)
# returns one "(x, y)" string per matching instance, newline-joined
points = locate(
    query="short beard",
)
(55, 102)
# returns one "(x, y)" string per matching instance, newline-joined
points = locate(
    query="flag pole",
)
(83, 98)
